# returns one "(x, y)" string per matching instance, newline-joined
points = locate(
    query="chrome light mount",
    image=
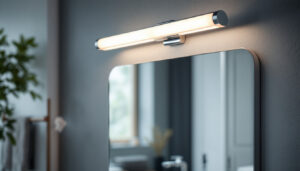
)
(174, 40)
(219, 17)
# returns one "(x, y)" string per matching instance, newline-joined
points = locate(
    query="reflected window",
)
(123, 107)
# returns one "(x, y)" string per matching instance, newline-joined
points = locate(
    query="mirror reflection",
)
(189, 114)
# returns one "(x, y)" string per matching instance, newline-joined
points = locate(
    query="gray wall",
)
(30, 19)
(269, 28)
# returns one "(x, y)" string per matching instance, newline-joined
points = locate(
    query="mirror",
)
(192, 113)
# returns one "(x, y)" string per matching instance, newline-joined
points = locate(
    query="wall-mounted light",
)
(171, 33)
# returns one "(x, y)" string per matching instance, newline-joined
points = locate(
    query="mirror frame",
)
(257, 105)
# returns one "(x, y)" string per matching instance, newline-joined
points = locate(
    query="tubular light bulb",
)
(161, 32)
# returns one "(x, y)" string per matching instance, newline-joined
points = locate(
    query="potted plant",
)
(15, 79)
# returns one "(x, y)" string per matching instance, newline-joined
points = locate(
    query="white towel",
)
(5, 156)
(20, 150)
(14, 158)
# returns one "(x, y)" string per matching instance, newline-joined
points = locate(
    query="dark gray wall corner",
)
(269, 28)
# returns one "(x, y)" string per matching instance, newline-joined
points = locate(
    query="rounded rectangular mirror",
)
(197, 113)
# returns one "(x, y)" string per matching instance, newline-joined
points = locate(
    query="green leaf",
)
(14, 93)
(31, 42)
(17, 65)
(22, 39)
(3, 40)
(10, 126)
(2, 137)
(11, 138)
(10, 123)
(8, 111)
(39, 97)
(34, 95)
(16, 44)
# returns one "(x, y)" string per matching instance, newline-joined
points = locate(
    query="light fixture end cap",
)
(96, 44)
(220, 17)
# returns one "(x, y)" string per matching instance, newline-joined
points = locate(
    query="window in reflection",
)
(122, 105)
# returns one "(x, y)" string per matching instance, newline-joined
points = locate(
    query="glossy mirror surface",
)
(192, 113)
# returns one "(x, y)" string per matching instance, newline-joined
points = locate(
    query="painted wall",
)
(30, 19)
(269, 28)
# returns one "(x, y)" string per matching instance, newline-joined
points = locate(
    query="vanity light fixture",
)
(170, 33)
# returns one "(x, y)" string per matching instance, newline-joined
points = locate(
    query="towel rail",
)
(43, 119)
(35, 119)
(48, 121)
